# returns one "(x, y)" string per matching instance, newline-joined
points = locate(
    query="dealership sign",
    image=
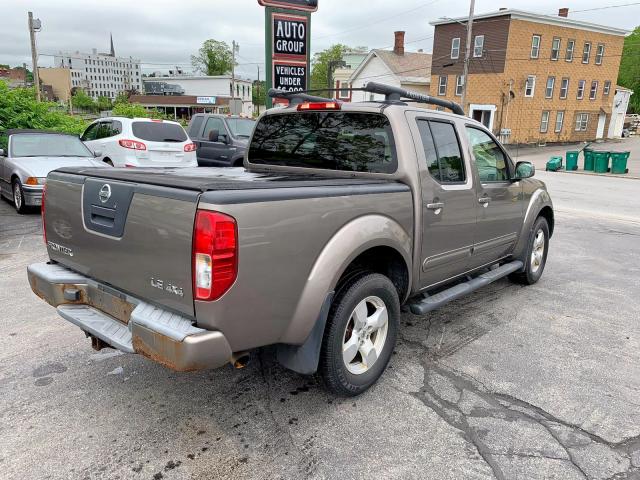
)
(287, 33)
(206, 100)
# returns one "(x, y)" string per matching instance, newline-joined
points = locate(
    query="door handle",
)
(484, 201)
(435, 206)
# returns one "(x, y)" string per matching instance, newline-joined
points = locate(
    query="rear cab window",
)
(158, 132)
(343, 141)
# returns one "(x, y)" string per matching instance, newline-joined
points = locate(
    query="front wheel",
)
(18, 197)
(360, 335)
(536, 255)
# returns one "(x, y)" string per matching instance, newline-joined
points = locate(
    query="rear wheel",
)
(536, 255)
(18, 196)
(360, 335)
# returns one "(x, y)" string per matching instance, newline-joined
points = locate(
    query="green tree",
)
(82, 101)
(19, 109)
(214, 58)
(259, 94)
(135, 110)
(629, 74)
(320, 66)
(103, 103)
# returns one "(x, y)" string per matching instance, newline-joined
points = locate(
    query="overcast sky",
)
(162, 32)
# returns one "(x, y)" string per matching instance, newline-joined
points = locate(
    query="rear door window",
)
(159, 132)
(346, 141)
(442, 150)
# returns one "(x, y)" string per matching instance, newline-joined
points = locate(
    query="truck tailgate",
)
(135, 237)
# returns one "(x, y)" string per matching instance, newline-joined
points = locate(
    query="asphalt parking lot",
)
(540, 382)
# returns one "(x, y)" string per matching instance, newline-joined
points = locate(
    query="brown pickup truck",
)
(342, 213)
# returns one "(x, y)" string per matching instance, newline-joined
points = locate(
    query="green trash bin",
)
(572, 160)
(601, 161)
(554, 164)
(619, 162)
(588, 160)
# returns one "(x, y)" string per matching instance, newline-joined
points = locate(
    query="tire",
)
(378, 296)
(534, 265)
(18, 197)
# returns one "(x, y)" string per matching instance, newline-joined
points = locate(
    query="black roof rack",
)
(296, 98)
(392, 93)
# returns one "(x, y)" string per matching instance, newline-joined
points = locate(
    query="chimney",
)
(398, 47)
(563, 12)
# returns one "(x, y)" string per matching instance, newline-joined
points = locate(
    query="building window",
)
(555, 49)
(442, 85)
(455, 48)
(564, 88)
(459, 84)
(599, 53)
(559, 121)
(535, 46)
(343, 90)
(551, 82)
(581, 85)
(607, 87)
(594, 90)
(582, 120)
(478, 46)
(586, 53)
(530, 86)
(544, 122)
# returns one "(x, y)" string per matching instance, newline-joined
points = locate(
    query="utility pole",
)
(258, 87)
(34, 26)
(233, 71)
(467, 55)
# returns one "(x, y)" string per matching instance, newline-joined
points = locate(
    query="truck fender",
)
(303, 337)
(539, 200)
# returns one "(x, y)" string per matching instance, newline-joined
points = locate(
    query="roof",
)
(412, 67)
(201, 77)
(14, 131)
(539, 18)
(177, 100)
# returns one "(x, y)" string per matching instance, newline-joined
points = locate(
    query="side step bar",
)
(432, 302)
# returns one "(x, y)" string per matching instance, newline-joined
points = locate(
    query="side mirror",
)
(214, 135)
(525, 170)
(97, 153)
(1, 152)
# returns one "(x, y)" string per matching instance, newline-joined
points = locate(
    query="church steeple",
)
(113, 52)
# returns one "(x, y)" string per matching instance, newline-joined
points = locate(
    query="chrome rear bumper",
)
(127, 323)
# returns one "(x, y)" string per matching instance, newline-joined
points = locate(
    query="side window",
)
(490, 160)
(90, 133)
(442, 150)
(116, 127)
(104, 130)
(196, 126)
(214, 124)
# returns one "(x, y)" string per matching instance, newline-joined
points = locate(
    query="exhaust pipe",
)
(240, 360)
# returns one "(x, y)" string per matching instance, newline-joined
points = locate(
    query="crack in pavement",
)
(500, 426)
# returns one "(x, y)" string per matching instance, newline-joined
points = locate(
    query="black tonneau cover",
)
(216, 179)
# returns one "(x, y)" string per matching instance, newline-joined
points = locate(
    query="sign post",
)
(287, 44)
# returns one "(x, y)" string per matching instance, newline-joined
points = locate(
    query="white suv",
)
(140, 142)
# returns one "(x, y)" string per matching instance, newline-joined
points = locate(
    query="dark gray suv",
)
(221, 140)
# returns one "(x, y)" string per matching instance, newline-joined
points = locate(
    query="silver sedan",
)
(30, 156)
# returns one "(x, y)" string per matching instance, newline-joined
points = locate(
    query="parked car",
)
(221, 140)
(140, 142)
(344, 213)
(30, 156)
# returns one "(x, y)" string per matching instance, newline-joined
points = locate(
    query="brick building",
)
(532, 78)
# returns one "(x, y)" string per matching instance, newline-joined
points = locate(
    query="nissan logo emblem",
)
(105, 193)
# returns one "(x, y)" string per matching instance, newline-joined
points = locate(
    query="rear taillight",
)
(215, 254)
(132, 144)
(42, 208)
(190, 147)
